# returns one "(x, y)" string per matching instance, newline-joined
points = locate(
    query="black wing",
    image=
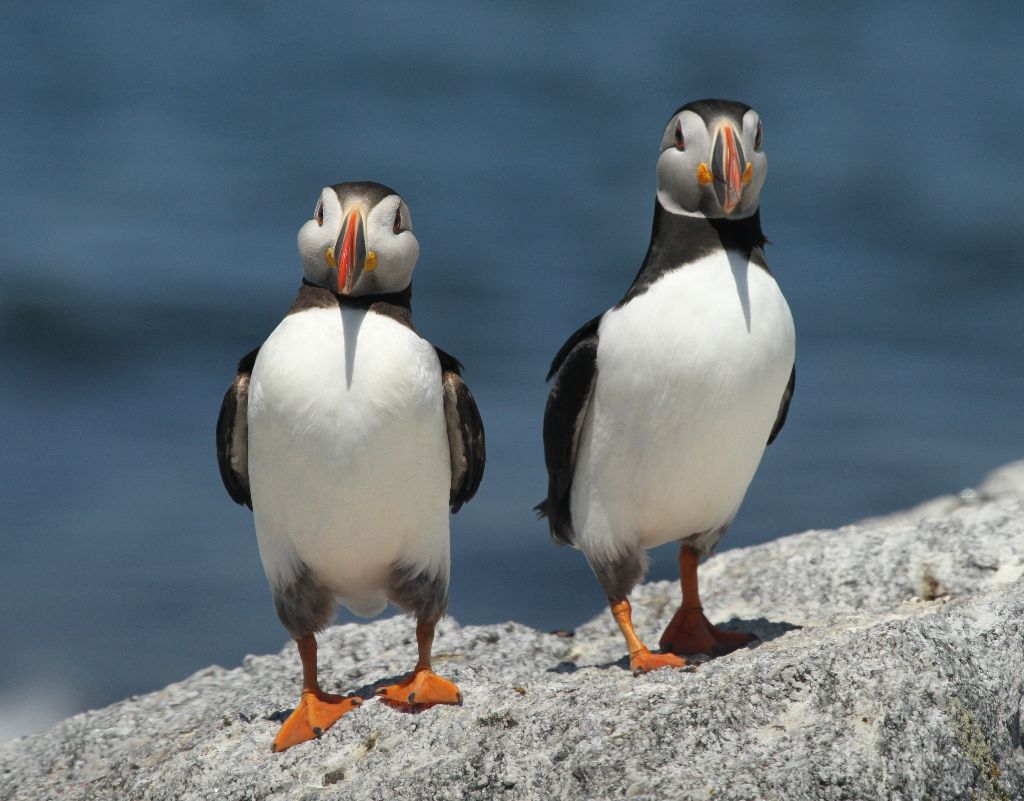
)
(787, 396)
(233, 434)
(465, 432)
(575, 371)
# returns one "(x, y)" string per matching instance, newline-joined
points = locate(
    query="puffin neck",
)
(742, 234)
(396, 305)
(401, 299)
(679, 239)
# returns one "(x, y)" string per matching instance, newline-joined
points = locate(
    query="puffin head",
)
(711, 162)
(360, 240)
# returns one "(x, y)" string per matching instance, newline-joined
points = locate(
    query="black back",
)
(575, 371)
(466, 443)
(232, 431)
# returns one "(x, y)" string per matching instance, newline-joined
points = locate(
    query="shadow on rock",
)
(765, 630)
(367, 692)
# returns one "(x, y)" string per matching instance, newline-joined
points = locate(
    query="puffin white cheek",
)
(313, 241)
(307, 239)
(678, 184)
(396, 260)
(759, 171)
(411, 248)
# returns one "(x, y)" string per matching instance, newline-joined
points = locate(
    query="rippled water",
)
(158, 163)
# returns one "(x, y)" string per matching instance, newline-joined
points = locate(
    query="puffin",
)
(351, 438)
(661, 407)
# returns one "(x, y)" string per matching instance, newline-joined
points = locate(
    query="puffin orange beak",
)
(351, 252)
(727, 168)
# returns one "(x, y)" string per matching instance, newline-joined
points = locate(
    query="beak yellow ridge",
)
(748, 173)
(329, 256)
(371, 261)
(704, 174)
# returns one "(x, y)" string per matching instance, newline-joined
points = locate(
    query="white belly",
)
(348, 453)
(690, 376)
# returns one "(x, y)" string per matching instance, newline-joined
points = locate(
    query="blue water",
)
(158, 162)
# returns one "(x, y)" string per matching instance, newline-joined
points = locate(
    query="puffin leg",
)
(423, 687)
(317, 711)
(690, 632)
(641, 660)
(618, 575)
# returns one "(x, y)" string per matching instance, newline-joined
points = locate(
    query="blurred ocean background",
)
(158, 161)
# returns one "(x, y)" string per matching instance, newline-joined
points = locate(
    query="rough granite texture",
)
(892, 667)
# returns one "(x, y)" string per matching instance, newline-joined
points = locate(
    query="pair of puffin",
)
(351, 437)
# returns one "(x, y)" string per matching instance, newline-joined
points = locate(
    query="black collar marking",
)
(396, 305)
(678, 239)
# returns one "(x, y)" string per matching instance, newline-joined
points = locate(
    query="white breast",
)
(348, 453)
(690, 376)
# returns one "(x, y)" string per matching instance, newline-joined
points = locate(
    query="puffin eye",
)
(397, 227)
(757, 136)
(680, 140)
(319, 213)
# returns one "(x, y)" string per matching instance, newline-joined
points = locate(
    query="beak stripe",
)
(727, 168)
(347, 252)
(733, 176)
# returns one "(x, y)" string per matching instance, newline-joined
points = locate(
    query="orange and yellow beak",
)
(729, 171)
(350, 251)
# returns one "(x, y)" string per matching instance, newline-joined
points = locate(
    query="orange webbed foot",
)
(315, 714)
(690, 632)
(645, 661)
(422, 689)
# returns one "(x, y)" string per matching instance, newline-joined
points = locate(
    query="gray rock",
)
(891, 667)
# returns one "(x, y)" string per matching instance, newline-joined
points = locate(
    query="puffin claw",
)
(420, 690)
(645, 661)
(690, 633)
(315, 714)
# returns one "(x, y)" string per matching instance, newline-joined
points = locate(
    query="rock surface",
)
(891, 667)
